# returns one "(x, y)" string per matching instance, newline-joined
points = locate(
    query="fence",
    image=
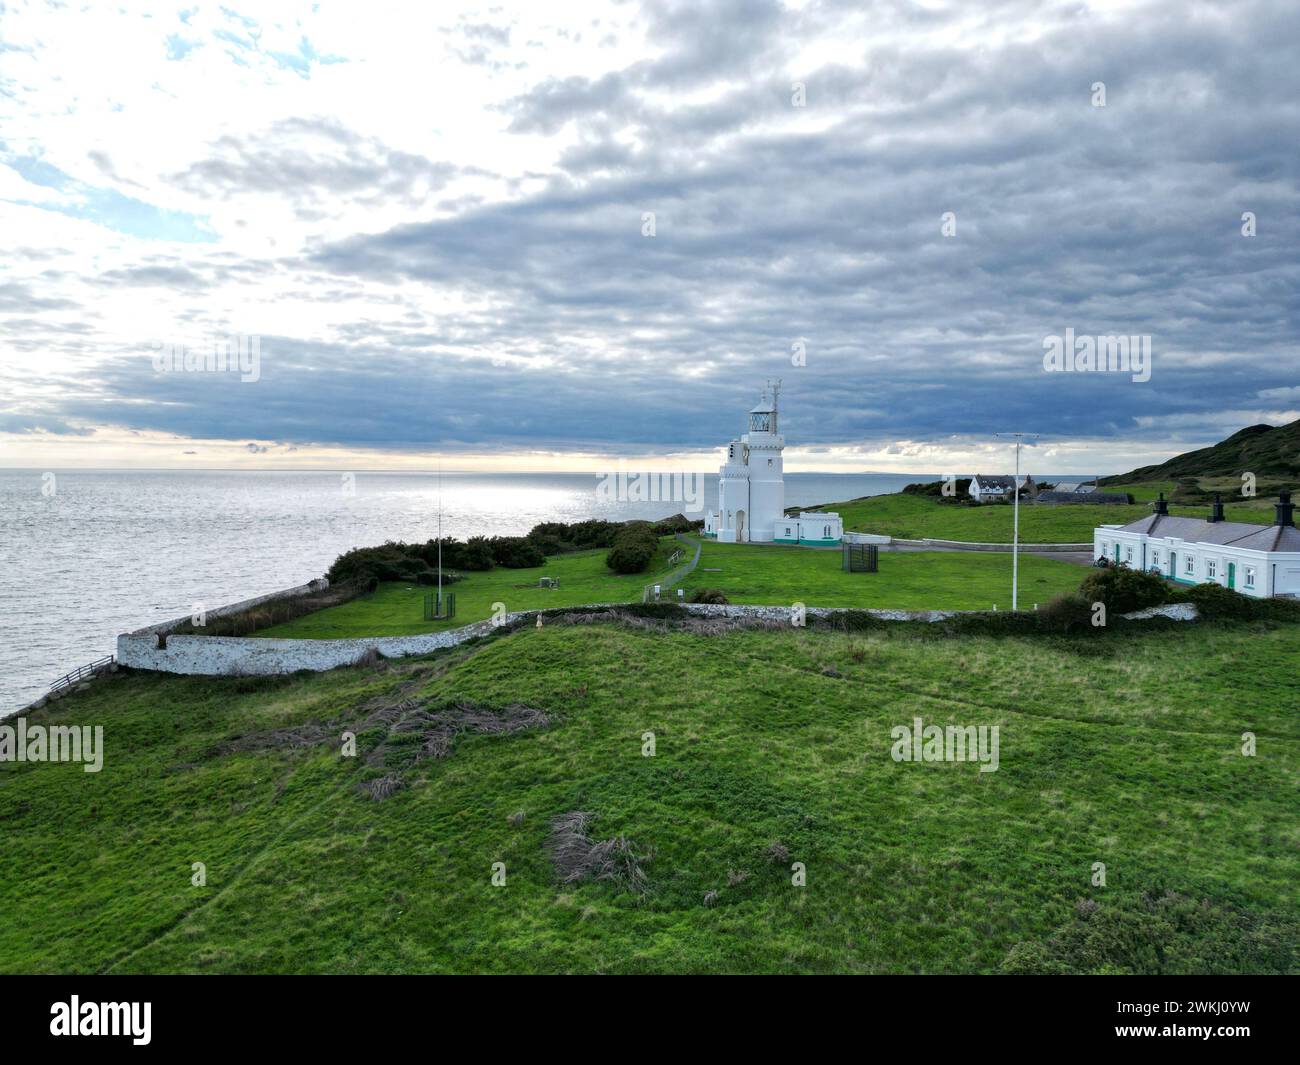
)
(861, 558)
(676, 576)
(81, 672)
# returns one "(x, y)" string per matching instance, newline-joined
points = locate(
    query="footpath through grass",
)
(772, 747)
(907, 580)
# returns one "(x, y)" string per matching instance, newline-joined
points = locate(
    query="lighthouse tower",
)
(751, 483)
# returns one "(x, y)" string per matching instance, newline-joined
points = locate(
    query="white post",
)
(1015, 531)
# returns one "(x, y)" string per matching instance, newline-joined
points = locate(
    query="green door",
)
(1232, 575)
(1117, 552)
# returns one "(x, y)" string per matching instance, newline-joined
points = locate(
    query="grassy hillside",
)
(1121, 749)
(914, 517)
(1267, 451)
(922, 580)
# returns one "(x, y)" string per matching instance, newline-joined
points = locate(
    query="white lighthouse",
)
(751, 489)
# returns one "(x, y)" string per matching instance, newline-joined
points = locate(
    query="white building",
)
(985, 489)
(751, 491)
(1256, 560)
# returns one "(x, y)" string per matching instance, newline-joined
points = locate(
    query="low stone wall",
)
(253, 656)
(782, 613)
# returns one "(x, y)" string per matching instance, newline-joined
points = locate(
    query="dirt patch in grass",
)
(432, 732)
(394, 737)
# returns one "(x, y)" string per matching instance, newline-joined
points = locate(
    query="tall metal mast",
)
(1015, 536)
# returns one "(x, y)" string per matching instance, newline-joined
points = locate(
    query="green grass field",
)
(397, 609)
(1122, 749)
(759, 574)
(920, 580)
(912, 517)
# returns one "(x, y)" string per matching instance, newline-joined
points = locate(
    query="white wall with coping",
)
(255, 656)
(164, 627)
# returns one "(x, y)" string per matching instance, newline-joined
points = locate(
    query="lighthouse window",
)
(1189, 567)
(760, 423)
(769, 464)
(1250, 576)
(1128, 553)
(1211, 568)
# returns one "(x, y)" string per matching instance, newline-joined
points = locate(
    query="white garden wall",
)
(254, 656)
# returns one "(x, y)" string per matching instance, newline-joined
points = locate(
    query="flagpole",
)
(1015, 520)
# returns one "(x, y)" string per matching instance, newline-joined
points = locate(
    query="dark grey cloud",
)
(310, 159)
(822, 224)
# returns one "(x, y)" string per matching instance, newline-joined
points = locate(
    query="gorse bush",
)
(1068, 613)
(709, 595)
(418, 562)
(960, 490)
(1214, 602)
(516, 552)
(1124, 590)
(395, 561)
(633, 548)
(557, 537)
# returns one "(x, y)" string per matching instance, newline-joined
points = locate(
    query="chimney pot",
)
(1285, 510)
(1161, 506)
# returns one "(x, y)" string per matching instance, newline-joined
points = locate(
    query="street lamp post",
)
(1015, 520)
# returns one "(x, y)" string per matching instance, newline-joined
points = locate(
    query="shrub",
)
(1123, 589)
(960, 489)
(516, 552)
(633, 548)
(709, 595)
(1068, 612)
(1214, 602)
(431, 577)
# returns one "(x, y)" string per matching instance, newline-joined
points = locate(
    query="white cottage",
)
(1256, 560)
(751, 491)
(985, 488)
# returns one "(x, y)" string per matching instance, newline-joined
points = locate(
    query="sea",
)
(88, 554)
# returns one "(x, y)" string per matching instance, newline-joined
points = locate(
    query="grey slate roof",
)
(998, 482)
(1236, 533)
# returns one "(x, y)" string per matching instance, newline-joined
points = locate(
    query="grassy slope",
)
(923, 580)
(1121, 749)
(917, 517)
(1268, 451)
(397, 609)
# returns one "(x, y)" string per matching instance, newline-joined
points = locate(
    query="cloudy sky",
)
(435, 221)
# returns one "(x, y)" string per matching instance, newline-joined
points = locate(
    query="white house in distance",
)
(985, 489)
(1256, 560)
(751, 490)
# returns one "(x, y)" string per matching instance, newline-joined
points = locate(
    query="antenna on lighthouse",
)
(775, 388)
